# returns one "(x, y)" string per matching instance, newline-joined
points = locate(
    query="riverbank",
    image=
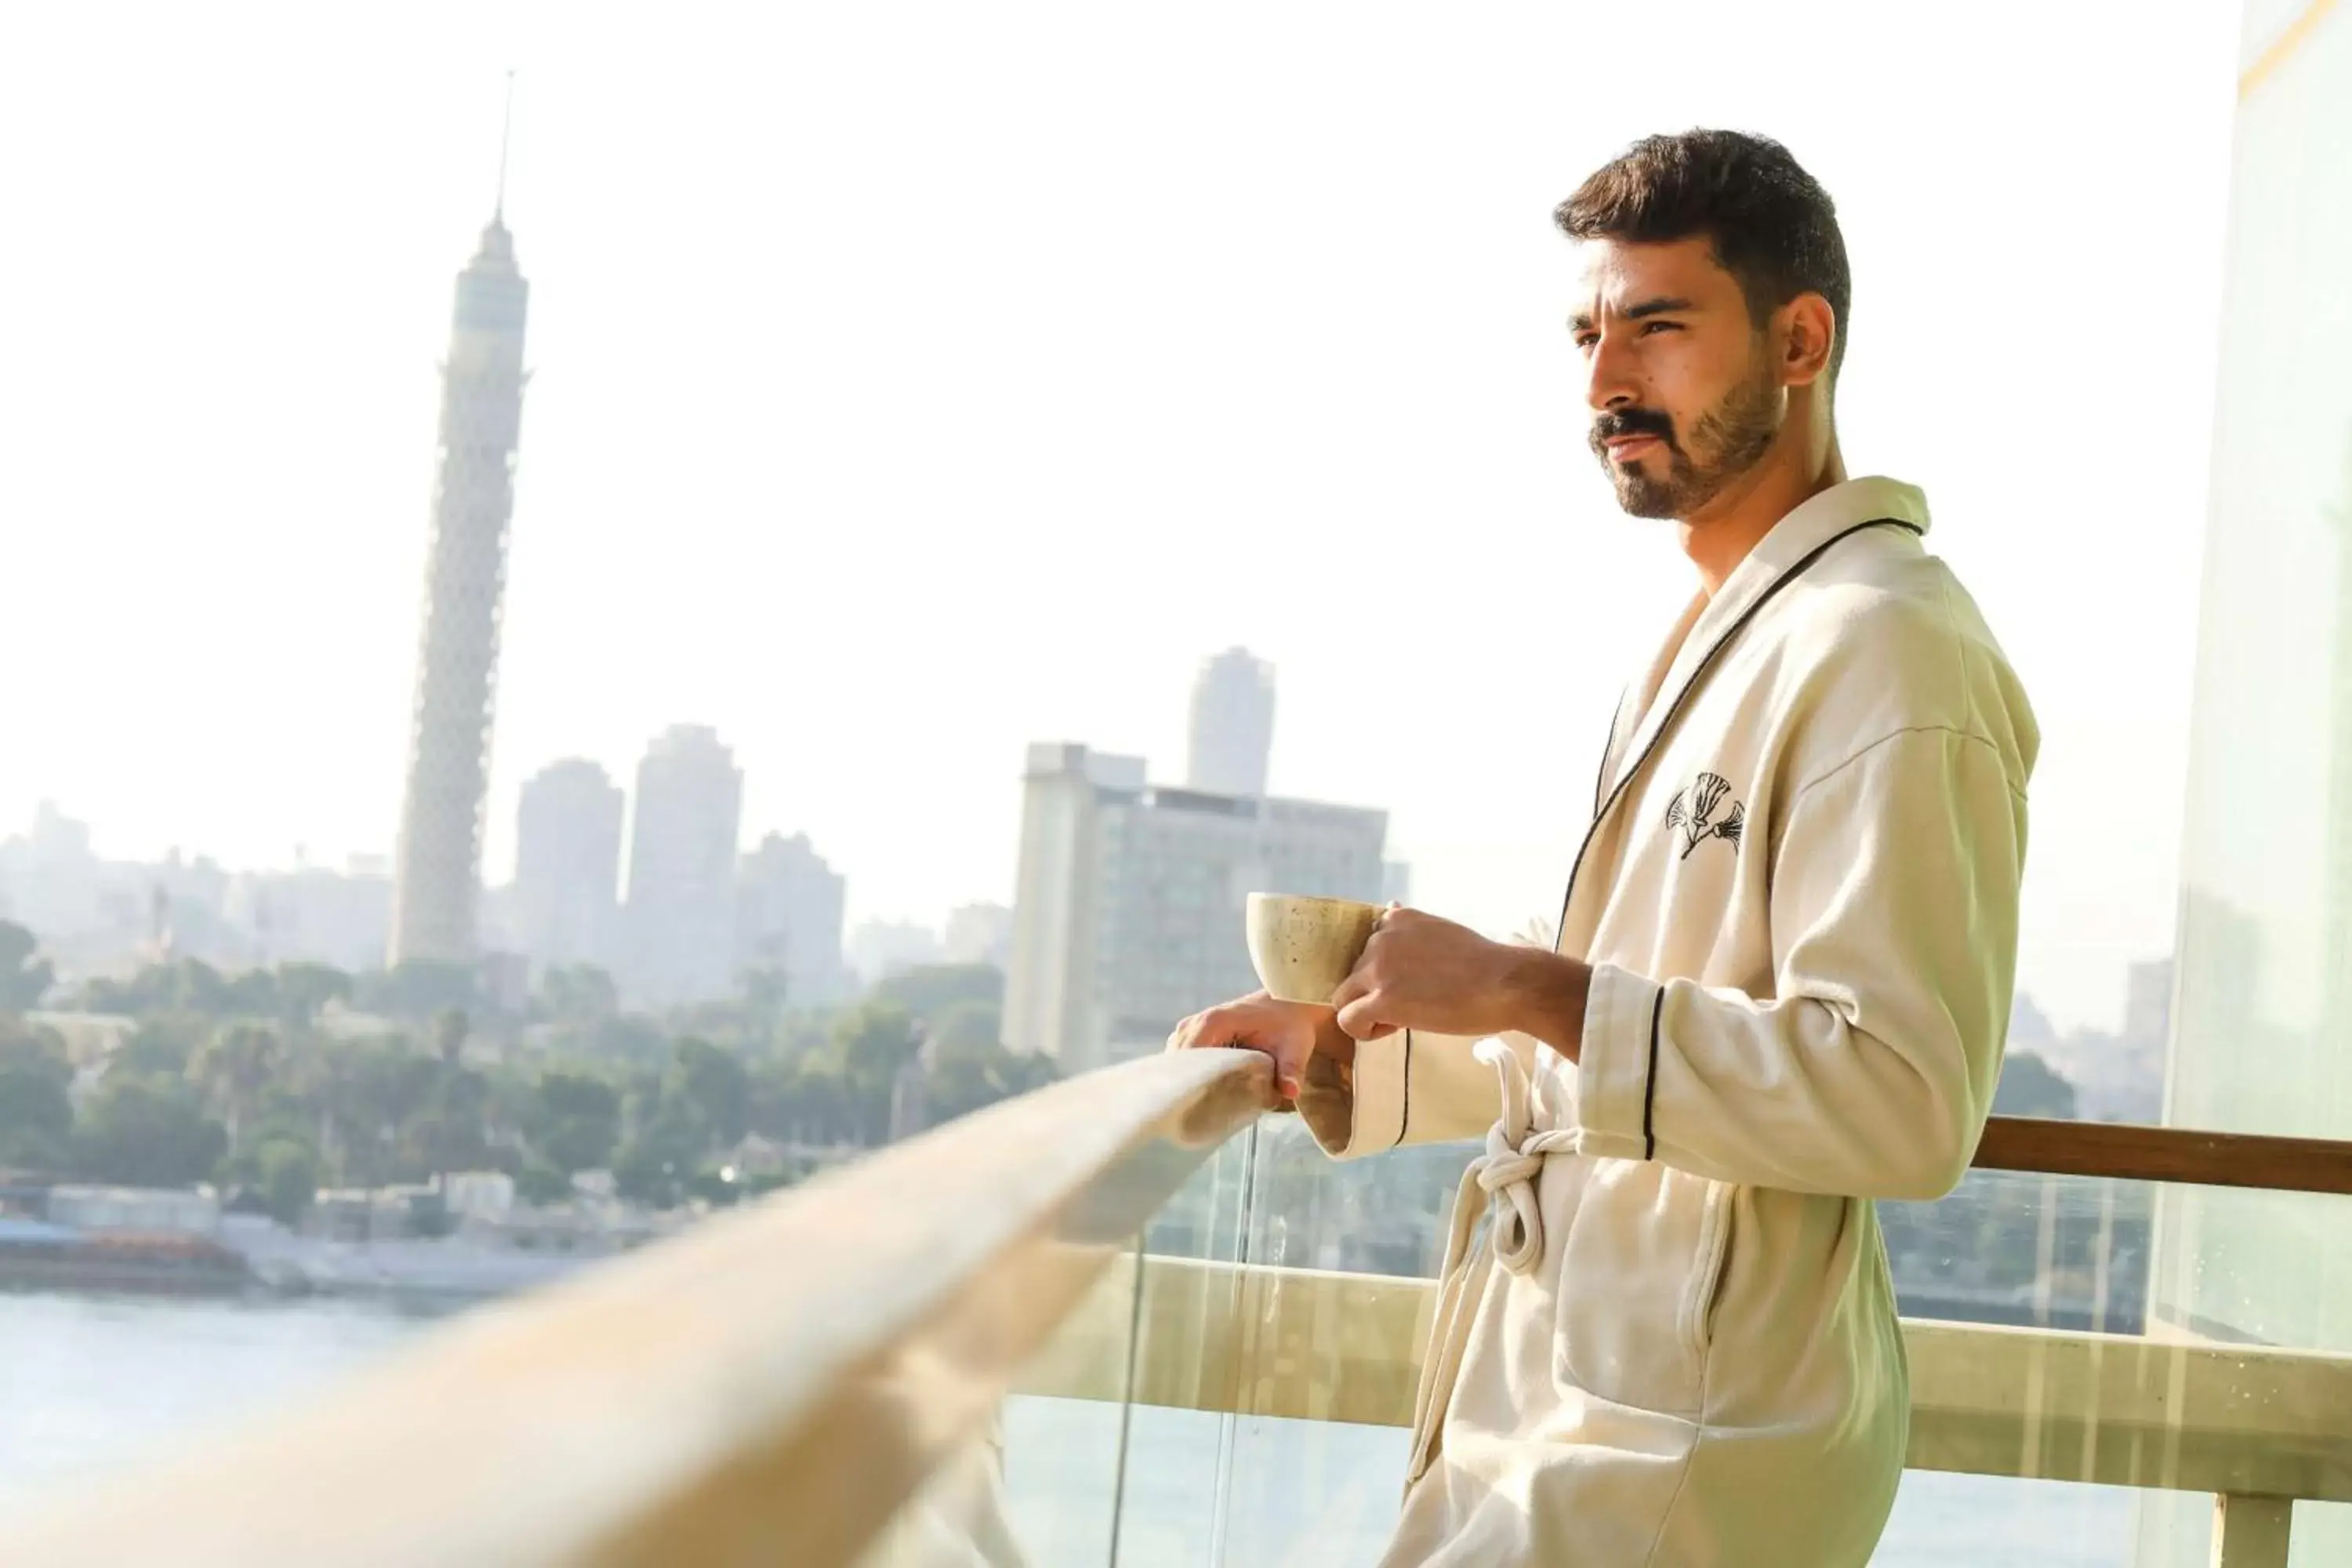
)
(34, 1255)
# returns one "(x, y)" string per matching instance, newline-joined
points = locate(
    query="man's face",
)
(1681, 381)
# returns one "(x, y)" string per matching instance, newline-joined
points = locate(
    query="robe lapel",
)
(1709, 627)
(1635, 707)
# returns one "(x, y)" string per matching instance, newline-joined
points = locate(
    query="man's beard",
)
(1729, 439)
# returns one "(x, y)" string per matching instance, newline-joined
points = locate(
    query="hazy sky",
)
(914, 381)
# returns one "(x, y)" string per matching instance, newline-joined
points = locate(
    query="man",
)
(1783, 969)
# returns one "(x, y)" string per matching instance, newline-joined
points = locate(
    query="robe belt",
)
(1506, 1173)
(1505, 1176)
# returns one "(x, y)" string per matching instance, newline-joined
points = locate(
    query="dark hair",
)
(1771, 225)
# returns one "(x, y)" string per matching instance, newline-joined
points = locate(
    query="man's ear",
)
(1807, 340)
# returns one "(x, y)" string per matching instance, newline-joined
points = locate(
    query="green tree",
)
(252, 994)
(540, 1183)
(710, 1091)
(2030, 1086)
(655, 1165)
(575, 1122)
(719, 1190)
(963, 1078)
(622, 1040)
(290, 1173)
(965, 1025)
(578, 993)
(305, 989)
(439, 1141)
(450, 1029)
(869, 1047)
(24, 977)
(931, 989)
(700, 1104)
(233, 1068)
(36, 1109)
(191, 986)
(806, 1102)
(161, 1046)
(146, 1131)
(188, 986)
(283, 1170)
(368, 1092)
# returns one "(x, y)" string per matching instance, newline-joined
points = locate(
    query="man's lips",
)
(1626, 449)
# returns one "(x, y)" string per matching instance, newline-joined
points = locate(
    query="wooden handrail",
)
(771, 1387)
(2182, 1155)
(777, 1383)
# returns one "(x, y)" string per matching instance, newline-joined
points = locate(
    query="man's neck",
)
(1718, 536)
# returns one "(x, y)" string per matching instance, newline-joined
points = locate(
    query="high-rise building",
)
(679, 923)
(1131, 898)
(880, 949)
(1232, 725)
(49, 878)
(567, 864)
(788, 911)
(978, 933)
(439, 875)
(312, 914)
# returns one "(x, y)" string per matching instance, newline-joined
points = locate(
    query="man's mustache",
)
(1619, 422)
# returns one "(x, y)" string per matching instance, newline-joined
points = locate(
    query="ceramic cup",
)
(1302, 947)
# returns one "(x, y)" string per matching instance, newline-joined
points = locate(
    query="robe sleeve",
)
(1869, 1073)
(1408, 1086)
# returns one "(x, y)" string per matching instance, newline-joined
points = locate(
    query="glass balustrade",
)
(1238, 1388)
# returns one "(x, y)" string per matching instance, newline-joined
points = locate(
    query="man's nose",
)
(1608, 378)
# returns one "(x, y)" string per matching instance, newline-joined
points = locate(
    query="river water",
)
(90, 1383)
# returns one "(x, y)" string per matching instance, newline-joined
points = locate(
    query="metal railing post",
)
(2251, 1532)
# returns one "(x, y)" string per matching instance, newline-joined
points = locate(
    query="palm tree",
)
(233, 1066)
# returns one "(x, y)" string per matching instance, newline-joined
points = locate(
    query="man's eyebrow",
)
(1661, 306)
(1658, 307)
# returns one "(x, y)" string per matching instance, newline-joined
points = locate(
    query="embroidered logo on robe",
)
(1693, 811)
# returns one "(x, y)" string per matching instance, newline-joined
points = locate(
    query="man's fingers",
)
(1291, 1054)
(1213, 1027)
(1360, 1019)
(1288, 1048)
(1354, 986)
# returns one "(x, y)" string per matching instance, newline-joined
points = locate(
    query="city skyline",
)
(347, 898)
(794, 417)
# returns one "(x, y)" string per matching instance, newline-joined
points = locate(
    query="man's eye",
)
(1586, 339)
(1649, 327)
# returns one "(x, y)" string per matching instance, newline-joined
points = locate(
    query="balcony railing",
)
(797, 1382)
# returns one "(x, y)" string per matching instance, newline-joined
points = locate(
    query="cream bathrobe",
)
(1677, 1343)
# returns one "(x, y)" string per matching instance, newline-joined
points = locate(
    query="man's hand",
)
(1289, 1032)
(1419, 971)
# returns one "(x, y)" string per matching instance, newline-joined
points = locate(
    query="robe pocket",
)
(1642, 1256)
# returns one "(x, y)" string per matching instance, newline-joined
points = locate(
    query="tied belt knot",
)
(1504, 1175)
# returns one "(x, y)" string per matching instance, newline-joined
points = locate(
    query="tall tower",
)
(438, 877)
(1233, 724)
